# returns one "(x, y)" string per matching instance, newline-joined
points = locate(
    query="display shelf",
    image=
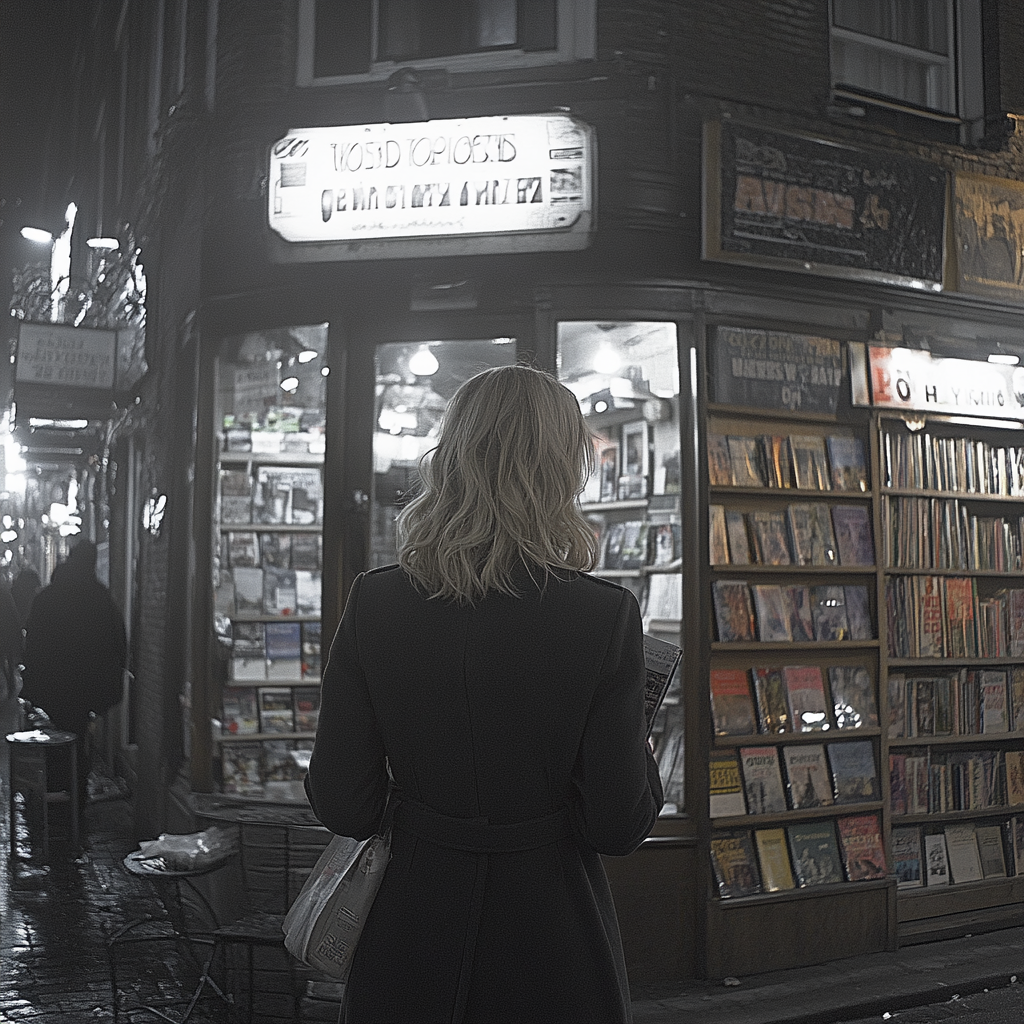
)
(779, 415)
(316, 528)
(274, 618)
(259, 737)
(271, 458)
(754, 821)
(1000, 811)
(728, 569)
(239, 683)
(807, 892)
(957, 740)
(976, 573)
(939, 662)
(779, 739)
(968, 496)
(624, 505)
(757, 646)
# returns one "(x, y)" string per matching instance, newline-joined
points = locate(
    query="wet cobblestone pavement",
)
(55, 922)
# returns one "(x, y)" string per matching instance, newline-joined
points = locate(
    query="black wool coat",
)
(505, 711)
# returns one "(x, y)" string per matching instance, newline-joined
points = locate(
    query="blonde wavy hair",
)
(501, 488)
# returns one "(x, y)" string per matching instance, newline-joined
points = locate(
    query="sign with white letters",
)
(483, 184)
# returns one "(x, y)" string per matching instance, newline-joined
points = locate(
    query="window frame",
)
(964, 64)
(576, 34)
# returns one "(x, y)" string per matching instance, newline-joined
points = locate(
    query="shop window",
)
(343, 38)
(625, 375)
(414, 382)
(923, 54)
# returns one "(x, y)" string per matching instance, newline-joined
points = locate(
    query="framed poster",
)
(988, 221)
(813, 206)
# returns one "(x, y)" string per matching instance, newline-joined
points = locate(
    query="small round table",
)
(30, 752)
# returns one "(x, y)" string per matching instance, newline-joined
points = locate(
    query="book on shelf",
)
(807, 777)
(847, 463)
(1015, 623)
(307, 497)
(1016, 688)
(284, 650)
(308, 589)
(815, 853)
(769, 534)
(248, 652)
(248, 590)
(276, 550)
(858, 612)
(918, 776)
(860, 839)
(726, 786)
(962, 851)
(615, 535)
(734, 613)
(243, 549)
(854, 777)
(1014, 761)
(241, 768)
(853, 697)
(897, 683)
(773, 855)
(936, 860)
(801, 619)
(224, 593)
(805, 692)
(990, 851)
(745, 458)
(734, 864)
(281, 777)
(608, 470)
(994, 716)
(739, 544)
(306, 551)
(775, 460)
(810, 529)
(810, 465)
(306, 707)
(732, 707)
(235, 496)
(239, 715)
(828, 610)
(276, 713)
(718, 537)
(898, 783)
(719, 461)
(271, 502)
(1015, 835)
(311, 655)
(278, 591)
(853, 535)
(906, 857)
(762, 780)
(634, 545)
(772, 703)
(960, 601)
(666, 542)
(664, 600)
(772, 614)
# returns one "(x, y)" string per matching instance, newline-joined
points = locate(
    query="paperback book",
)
(828, 609)
(726, 787)
(248, 652)
(847, 462)
(860, 839)
(962, 850)
(773, 855)
(734, 863)
(243, 550)
(745, 459)
(284, 650)
(906, 856)
(853, 697)
(853, 535)
(769, 533)
(776, 461)
(801, 619)
(734, 612)
(990, 851)
(810, 466)
(815, 854)
(311, 657)
(936, 860)
(811, 531)
(719, 461)
(248, 590)
(762, 780)
(854, 777)
(718, 537)
(276, 549)
(276, 713)
(235, 496)
(772, 704)
(306, 707)
(805, 693)
(731, 704)
(858, 612)
(772, 614)
(739, 545)
(807, 777)
(240, 716)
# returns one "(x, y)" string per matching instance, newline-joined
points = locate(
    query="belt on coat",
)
(478, 835)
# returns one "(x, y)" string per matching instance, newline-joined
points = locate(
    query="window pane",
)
(414, 384)
(625, 376)
(922, 83)
(410, 29)
(918, 23)
(341, 37)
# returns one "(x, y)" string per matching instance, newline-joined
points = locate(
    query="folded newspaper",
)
(661, 660)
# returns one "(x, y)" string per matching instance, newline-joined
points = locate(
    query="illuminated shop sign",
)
(74, 357)
(902, 378)
(484, 184)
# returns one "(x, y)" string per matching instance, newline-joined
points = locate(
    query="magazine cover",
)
(853, 772)
(853, 535)
(846, 459)
(810, 467)
(734, 863)
(898, 783)
(240, 768)
(311, 658)
(811, 530)
(731, 705)
(276, 714)
(306, 549)
(248, 591)
(272, 498)
(828, 609)
(661, 660)
(961, 639)
(775, 456)
(739, 545)
(853, 697)
(719, 461)
(805, 691)
(858, 612)
(734, 612)
(863, 853)
(815, 853)
(239, 717)
(990, 851)
(798, 605)
(936, 860)
(746, 462)
(276, 549)
(762, 780)
(306, 707)
(772, 705)
(243, 550)
(278, 591)
(962, 851)
(665, 542)
(906, 856)
(284, 650)
(614, 538)
(771, 543)
(235, 496)
(897, 707)
(307, 497)
(773, 854)
(308, 589)
(726, 787)
(807, 777)
(248, 651)
(772, 614)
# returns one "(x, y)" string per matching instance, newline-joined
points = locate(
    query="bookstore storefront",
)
(835, 550)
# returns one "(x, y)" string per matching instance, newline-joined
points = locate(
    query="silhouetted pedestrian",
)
(24, 588)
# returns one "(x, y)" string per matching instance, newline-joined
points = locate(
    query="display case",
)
(268, 557)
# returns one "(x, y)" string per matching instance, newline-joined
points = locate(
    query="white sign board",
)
(481, 184)
(77, 357)
(903, 378)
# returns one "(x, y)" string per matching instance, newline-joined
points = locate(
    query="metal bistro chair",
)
(276, 854)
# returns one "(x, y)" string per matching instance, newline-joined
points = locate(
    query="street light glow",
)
(37, 235)
(103, 243)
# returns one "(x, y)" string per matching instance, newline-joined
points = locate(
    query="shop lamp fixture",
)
(606, 360)
(423, 362)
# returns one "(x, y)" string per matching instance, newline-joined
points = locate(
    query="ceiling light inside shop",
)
(307, 354)
(606, 360)
(290, 384)
(423, 362)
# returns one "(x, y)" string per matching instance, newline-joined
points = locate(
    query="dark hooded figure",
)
(75, 649)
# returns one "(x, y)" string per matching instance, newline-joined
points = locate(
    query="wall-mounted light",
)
(423, 362)
(606, 360)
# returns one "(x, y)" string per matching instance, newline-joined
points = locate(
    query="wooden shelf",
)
(783, 738)
(950, 741)
(260, 737)
(271, 528)
(1002, 499)
(1001, 811)
(614, 506)
(274, 618)
(802, 893)
(785, 570)
(272, 458)
(238, 683)
(824, 646)
(742, 411)
(979, 573)
(932, 663)
(788, 817)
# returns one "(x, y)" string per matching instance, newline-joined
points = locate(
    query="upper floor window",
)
(344, 39)
(923, 54)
